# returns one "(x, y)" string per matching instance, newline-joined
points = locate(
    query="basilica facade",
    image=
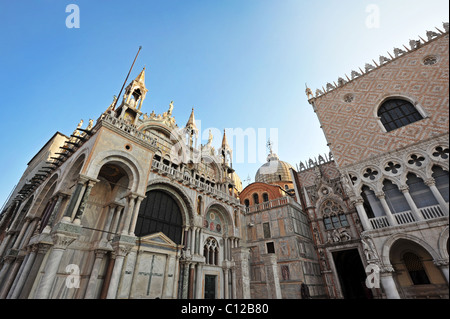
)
(133, 206)
(130, 207)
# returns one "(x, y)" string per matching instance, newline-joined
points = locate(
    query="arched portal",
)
(159, 212)
(351, 274)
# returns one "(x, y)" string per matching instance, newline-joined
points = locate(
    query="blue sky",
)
(239, 63)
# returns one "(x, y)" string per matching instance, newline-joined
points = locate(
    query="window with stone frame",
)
(333, 215)
(396, 113)
(211, 251)
(415, 269)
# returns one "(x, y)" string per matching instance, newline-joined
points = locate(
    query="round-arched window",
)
(395, 113)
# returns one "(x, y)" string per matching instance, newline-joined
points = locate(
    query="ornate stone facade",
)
(120, 207)
(132, 206)
(395, 177)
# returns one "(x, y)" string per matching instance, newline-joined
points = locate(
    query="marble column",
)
(73, 201)
(118, 212)
(16, 274)
(83, 203)
(417, 215)
(191, 280)
(93, 279)
(120, 253)
(30, 231)
(135, 215)
(22, 233)
(185, 286)
(431, 183)
(41, 250)
(362, 214)
(5, 268)
(387, 210)
(9, 280)
(199, 284)
(61, 242)
(109, 218)
(55, 211)
(25, 272)
(388, 284)
(225, 283)
(128, 212)
(225, 248)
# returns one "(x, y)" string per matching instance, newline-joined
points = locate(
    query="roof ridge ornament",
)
(414, 44)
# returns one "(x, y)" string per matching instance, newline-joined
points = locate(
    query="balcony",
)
(407, 217)
(128, 128)
(187, 180)
(272, 204)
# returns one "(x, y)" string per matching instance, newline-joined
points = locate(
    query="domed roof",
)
(274, 171)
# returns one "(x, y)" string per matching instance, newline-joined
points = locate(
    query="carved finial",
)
(369, 67)
(330, 87)
(414, 44)
(308, 92)
(445, 25)
(355, 74)
(398, 52)
(431, 35)
(383, 59)
(341, 81)
(318, 92)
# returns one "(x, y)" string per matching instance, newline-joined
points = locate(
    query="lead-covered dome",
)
(274, 171)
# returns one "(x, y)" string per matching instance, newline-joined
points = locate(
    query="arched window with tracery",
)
(395, 113)
(333, 215)
(211, 251)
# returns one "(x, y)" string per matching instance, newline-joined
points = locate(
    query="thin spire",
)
(191, 122)
(224, 141)
(141, 77)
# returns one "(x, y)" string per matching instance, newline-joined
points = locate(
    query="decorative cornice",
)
(398, 53)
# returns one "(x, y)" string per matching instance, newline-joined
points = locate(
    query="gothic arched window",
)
(333, 215)
(395, 113)
(211, 251)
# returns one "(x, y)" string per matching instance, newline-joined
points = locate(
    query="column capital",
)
(404, 188)
(62, 241)
(134, 195)
(380, 195)
(441, 262)
(387, 269)
(85, 178)
(430, 182)
(357, 200)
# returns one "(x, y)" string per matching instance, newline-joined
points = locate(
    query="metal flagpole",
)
(114, 107)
